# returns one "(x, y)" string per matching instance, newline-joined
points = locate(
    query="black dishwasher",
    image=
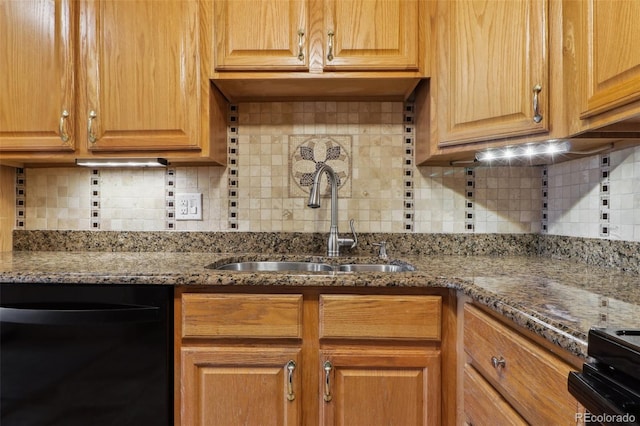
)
(86, 355)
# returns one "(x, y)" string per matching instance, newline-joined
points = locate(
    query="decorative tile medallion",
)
(308, 153)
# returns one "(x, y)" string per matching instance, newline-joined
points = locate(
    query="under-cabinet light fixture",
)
(122, 162)
(531, 151)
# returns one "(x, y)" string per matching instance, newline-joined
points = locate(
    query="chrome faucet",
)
(335, 242)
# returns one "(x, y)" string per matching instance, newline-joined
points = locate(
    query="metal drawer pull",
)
(330, 49)
(498, 362)
(63, 135)
(291, 365)
(92, 137)
(327, 383)
(300, 46)
(537, 117)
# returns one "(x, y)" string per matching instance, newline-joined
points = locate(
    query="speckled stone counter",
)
(556, 299)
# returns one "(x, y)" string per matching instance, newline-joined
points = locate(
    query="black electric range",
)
(609, 387)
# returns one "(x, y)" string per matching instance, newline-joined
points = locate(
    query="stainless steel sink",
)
(358, 267)
(276, 267)
(293, 266)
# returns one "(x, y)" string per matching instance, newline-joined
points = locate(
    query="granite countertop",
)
(556, 299)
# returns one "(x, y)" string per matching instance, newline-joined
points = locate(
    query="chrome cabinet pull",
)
(537, 117)
(330, 47)
(300, 45)
(63, 135)
(92, 137)
(498, 362)
(291, 365)
(327, 383)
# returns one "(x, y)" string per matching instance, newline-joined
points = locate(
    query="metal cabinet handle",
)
(537, 117)
(291, 365)
(327, 383)
(330, 46)
(300, 45)
(92, 137)
(63, 135)
(498, 362)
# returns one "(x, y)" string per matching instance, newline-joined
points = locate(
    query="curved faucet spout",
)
(334, 242)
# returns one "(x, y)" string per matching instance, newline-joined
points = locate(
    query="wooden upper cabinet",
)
(613, 58)
(368, 35)
(492, 70)
(302, 35)
(251, 34)
(37, 103)
(140, 76)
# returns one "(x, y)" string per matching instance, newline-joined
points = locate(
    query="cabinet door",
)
(613, 58)
(483, 405)
(380, 387)
(368, 35)
(530, 378)
(140, 75)
(261, 35)
(240, 386)
(37, 105)
(491, 56)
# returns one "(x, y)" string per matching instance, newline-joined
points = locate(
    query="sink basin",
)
(302, 266)
(276, 267)
(361, 267)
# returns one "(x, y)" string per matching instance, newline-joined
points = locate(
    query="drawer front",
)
(214, 316)
(533, 380)
(380, 317)
(483, 405)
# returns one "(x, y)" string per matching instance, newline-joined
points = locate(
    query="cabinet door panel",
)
(372, 35)
(243, 386)
(545, 400)
(258, 34)
(483, 405)
(37, 75)
(380, 388)
(613, 68)
(140, 74)
(491, 54)
(388, 317)
(269, 316)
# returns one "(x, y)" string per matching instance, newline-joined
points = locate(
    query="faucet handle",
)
(382, 252)
(353, 231)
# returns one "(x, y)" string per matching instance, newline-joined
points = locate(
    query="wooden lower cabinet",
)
(503, 366)
(380, 387)
(483, 404)
(240, 386)
(307, 359)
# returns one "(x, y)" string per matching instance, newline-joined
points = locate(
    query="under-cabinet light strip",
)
(232, 168)
(547, 149)
(408, 170)
(170, 198)
(21, 198)
(605, 191)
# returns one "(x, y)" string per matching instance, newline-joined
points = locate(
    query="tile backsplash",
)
(370, 145)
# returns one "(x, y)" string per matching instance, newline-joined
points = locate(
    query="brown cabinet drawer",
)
(532, 380)
(483, 405)
(380, 317)
(241, 316)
